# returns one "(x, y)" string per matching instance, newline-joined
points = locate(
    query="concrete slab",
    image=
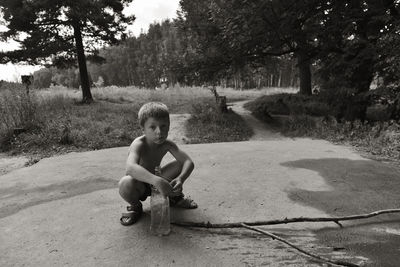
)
(64, 211)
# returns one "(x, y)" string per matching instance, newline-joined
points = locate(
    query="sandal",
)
(132, 216)
(182, 201)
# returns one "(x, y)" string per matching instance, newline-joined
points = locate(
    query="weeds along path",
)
(261, 129)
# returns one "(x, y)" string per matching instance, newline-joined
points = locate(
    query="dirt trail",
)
(261, 130)
(177, 132)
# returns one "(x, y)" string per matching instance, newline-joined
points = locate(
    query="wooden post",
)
(27, 80)
(219, 100)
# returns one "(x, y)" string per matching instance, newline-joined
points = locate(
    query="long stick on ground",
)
(286, 220)
(320, 258)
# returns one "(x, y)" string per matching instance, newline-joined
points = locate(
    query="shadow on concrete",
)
(16, 198)
(358, 186)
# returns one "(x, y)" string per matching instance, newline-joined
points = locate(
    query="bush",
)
(297, 125)
(207, 125)
(287, 104)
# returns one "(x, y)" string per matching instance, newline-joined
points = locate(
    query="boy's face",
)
(156, 130)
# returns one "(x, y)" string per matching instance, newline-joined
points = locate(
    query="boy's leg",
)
(131, 191)
(170, 172)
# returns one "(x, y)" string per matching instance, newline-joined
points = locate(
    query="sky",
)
(145, 11)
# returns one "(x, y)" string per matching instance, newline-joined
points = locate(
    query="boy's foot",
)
(132, 216)
(182, 201)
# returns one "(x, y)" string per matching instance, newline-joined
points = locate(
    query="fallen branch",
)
(249, 225)
(286, 220)
(320, 258)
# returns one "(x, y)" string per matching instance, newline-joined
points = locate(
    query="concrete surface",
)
(9, 163)
(64, 211)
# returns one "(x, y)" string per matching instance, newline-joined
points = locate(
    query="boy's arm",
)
(141, 174)
(184, 159)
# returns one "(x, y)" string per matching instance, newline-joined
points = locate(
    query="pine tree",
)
(60, 32)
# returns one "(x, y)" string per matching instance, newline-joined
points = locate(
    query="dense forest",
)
(165, 55)
(249, 44)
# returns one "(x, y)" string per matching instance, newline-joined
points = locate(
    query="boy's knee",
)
(129, 186)
(125, 181)
(126, 184)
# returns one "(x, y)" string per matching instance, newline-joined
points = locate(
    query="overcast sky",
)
(146, 12)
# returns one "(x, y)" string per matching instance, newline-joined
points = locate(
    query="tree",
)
(42, 78)
(342, 35)
(204, 52)
(256, 30)
(357, 41)
(58, 32)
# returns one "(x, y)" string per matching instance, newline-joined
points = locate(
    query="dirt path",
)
(261, 130)
(177, 132)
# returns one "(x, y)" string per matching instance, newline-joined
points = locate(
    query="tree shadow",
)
(18, 197)
(358, 186)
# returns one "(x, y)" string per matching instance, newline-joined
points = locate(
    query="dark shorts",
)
(147, 192)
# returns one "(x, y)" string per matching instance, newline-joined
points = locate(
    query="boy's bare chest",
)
(151, 159)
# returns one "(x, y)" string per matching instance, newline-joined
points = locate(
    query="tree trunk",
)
(280, 78)
(293, 75)
(85, 85)
(304, 63)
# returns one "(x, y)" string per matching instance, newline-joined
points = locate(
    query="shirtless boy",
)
(145, 154)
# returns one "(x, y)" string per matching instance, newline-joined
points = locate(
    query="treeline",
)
(248, 44)
(166, 55)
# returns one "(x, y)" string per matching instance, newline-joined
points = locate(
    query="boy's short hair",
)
(155, 110)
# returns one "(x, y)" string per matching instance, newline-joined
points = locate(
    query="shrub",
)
(286, 104)
(297, 125)
(207, 124)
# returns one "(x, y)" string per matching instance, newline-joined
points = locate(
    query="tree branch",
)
(320, 258)
(247, 225)
(286, 220)
(52, 22)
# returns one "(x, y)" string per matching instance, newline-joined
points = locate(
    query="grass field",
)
(53, 121)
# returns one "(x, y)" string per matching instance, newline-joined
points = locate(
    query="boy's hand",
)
(164, 187)
(176, 186)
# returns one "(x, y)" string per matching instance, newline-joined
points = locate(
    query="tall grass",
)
(176, 97)
(18, 112)
(49, 122)
(53, 120)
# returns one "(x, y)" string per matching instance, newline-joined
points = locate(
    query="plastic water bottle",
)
(159, 206)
